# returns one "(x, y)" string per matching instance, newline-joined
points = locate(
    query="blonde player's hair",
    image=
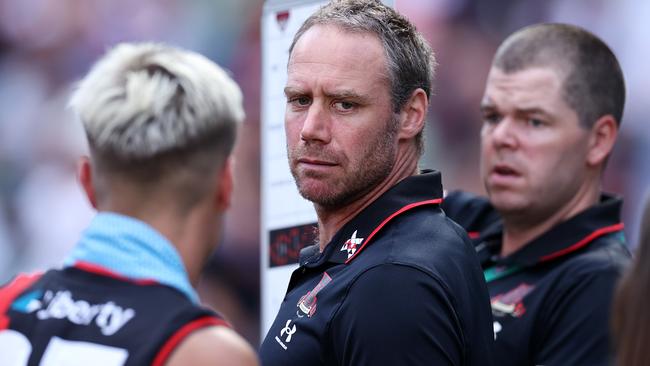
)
(143, 100)
(158, 119)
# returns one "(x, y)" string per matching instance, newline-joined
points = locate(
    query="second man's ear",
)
(602, 139)
(412, 116)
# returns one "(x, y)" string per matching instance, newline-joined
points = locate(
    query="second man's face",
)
(533, 149)
(341, 133)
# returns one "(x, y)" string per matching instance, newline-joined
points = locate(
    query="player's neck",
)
(193, 233)
(330, 221)
(195, 236)
(520, 229)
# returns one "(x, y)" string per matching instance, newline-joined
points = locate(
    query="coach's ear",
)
(84, 175)
(225, 185)
(602, 139)
(412, 115)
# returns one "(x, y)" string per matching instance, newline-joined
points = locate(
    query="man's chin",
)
(314, 191)
(507, 203)
(324, 196)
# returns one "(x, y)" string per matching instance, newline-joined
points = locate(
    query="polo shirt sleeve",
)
(396, 315)
(574, 329)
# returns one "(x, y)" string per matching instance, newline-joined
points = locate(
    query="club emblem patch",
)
(307, 303)
(352, 244)
(511, 303)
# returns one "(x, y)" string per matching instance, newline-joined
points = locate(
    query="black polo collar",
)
(563, 239)
(356, 234)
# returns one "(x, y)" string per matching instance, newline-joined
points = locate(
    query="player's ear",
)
(225, 184)
(601, 140)
(85, 177)
(412, 116)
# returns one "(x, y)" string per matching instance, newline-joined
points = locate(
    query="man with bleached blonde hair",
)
(161, 123)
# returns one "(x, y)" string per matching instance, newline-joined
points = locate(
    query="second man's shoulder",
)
(473, 212)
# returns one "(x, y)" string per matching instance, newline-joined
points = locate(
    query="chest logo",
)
(511, 303)
(307, 303)
(286, 332)
(352, 244)
(108, 317)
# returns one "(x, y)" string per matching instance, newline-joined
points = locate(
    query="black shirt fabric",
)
(79, 317)
(550, 299)
(399, 284)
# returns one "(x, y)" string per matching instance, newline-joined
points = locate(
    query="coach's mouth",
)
(315, 162)
(503, 175)
(505, 170)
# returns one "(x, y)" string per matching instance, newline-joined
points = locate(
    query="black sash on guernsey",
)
(91, 316)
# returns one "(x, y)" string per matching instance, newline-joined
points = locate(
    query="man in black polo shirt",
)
(550, 243)
(391, 281)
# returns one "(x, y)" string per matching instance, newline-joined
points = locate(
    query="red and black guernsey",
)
(83, 313)
(398, 284)
(551, 299)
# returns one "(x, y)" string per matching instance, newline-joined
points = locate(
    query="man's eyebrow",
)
(336, 94)
(341, 94)
(488, 106)
(289, 90)
(533, 110)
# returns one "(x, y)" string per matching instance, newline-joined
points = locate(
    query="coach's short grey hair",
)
(410, 62)
(144, 100)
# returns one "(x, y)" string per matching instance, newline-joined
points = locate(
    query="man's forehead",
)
(534, 75)
(333, 44)
(328, 57)
(528, 86)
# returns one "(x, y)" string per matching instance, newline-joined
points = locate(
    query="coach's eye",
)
(344, 106)
(299, 101)
(303, 100)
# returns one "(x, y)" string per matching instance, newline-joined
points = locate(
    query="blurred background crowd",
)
(46, 45)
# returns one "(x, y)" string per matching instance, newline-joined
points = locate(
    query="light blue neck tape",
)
(133, 249)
